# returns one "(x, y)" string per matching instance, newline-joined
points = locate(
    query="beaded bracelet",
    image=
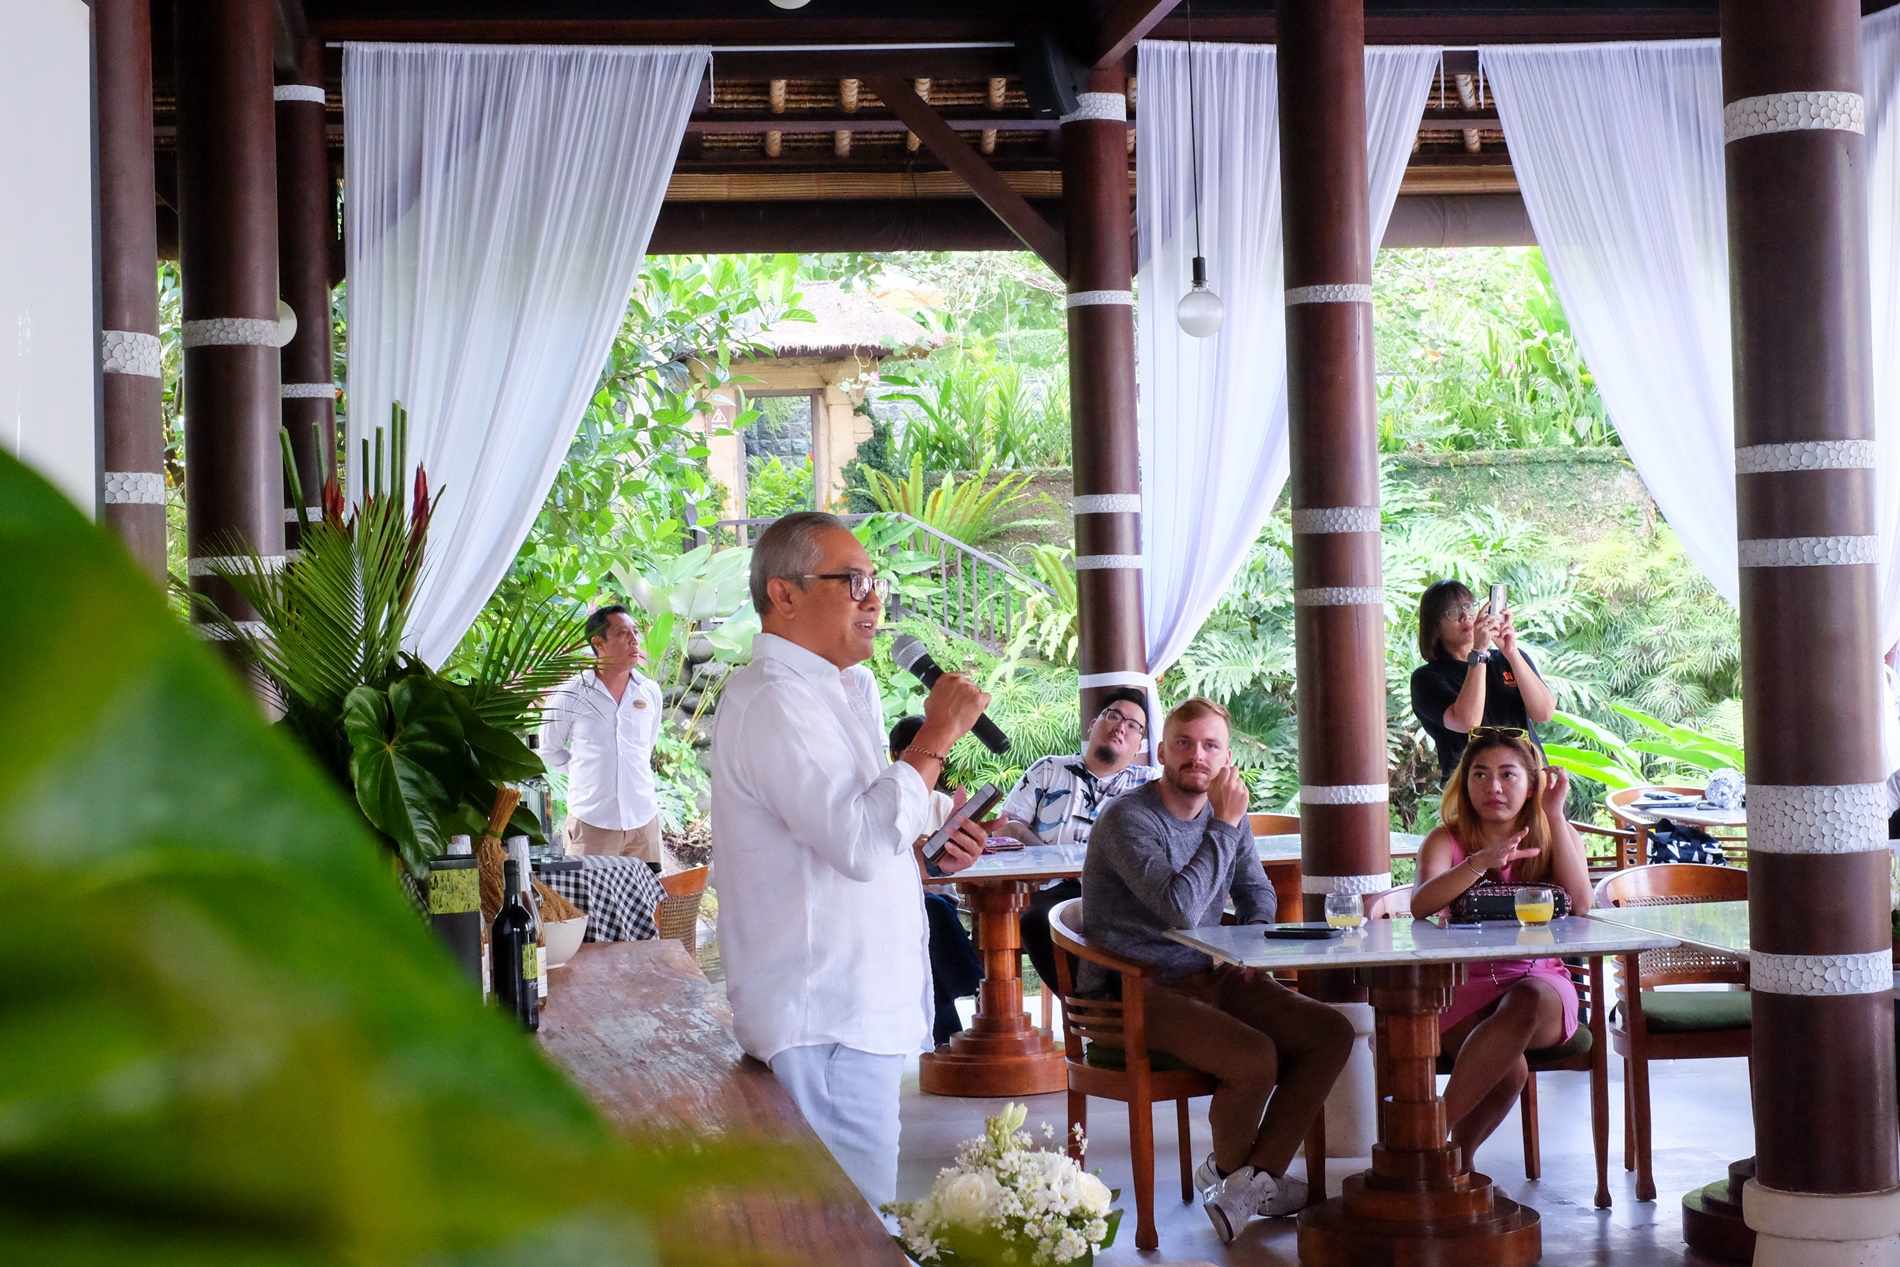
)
(925, 752)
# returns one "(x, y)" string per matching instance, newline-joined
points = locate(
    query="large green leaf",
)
(1593, 765)
(409, 761)
(224, 1037)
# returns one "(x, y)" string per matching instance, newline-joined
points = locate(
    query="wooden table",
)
(1004, 1052)
(650, 1041)
(1711, 1215)
(1420, 1203)
(1640, 821)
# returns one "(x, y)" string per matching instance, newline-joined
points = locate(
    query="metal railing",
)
(977, 595)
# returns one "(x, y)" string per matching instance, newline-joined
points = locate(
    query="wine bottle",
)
(518, 850)
(512, 953)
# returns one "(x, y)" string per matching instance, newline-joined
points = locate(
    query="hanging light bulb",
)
(1200, 311)
(791, 4)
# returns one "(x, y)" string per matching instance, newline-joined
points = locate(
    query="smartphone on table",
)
(976, 807)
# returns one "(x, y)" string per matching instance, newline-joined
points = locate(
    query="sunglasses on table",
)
(861, 584)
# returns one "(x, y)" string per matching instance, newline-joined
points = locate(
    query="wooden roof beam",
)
(1125, 24)
(985, 182)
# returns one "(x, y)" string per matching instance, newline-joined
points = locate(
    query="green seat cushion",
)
(1578, 1044)
(1102, 1056)
(1696, 1011)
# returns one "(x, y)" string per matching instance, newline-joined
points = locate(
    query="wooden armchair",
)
(1653, 1024)
(1105, 1041)
(1614, 855)
(678, 913)
(1586, 1052)
(1635, 852)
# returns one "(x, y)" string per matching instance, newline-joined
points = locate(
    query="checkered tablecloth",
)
(620, 896)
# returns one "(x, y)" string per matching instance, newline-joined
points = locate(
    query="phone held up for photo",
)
(976, 807)
(1497, 598)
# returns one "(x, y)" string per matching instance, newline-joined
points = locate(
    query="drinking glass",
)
(1345, 910)
(1535, 907)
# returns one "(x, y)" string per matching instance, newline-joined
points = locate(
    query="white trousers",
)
(850, 1099)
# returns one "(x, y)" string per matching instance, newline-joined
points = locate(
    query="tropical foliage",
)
(970, 409)
(972, 510)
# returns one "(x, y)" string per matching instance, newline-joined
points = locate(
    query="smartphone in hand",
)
(976, 807)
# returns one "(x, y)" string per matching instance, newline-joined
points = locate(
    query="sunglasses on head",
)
(1499, 732)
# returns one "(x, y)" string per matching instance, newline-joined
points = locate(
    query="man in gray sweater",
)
(1167, 856)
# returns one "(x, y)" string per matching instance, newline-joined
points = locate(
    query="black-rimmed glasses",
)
(1115, 717)
(862, 584)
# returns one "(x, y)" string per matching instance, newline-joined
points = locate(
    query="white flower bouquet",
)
(1008, 1201)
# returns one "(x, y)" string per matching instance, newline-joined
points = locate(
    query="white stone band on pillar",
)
(1818, 111)
(1842, 818)
(134, 488)
(1107, 504)
(1822, 1229)
(1341, 596)
(225, 564)
(218, 633)
(1105, 562)
(234, 332)
(1805, 455)
(1356, 884)
(311, 93)
(309, 391)
(1340, 293)
(1336, 519)
(1099, 299)
(1117, 677)
(312, 513)
(1807, 552)
(130, 352)
(1111, 107)
(1813, 975)
(1344, 794)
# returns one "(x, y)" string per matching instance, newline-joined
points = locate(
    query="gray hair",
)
(789, 550)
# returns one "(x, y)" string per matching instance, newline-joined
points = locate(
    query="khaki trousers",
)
(1273, 1053)
(636, 842)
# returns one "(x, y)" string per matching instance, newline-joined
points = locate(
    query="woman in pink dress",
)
(1503, 816)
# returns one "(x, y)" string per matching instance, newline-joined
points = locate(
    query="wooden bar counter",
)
(639, 1029)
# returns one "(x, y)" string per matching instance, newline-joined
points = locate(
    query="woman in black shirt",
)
(1448, 699)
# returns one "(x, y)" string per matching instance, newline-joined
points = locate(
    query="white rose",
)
(1094, 1194)
(964, 1200)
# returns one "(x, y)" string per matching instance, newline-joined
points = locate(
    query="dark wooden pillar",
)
(305, 226)
(1339, 603)
(227, 185)
(1111, 650)
(1793, 119)
(134, 456)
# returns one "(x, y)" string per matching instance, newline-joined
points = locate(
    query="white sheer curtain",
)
(1618, 150)
(1636, 236)
(1213, 411)
(500, 201)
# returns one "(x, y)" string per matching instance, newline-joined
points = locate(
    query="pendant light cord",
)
(1194, 132)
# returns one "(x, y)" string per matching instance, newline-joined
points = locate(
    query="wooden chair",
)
(1622, 841)
(1673, 1024)
(1283, 876)
(1586, 1051)
(678, 913)
(1105, 1041)
(1635, 852)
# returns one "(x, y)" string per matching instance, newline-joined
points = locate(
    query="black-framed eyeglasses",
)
(1115, 717)
(862, 584)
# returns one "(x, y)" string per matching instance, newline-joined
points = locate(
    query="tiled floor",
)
(1702, 1123)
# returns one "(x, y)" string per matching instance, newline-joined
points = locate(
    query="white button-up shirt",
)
(821, 917)
(605, 748)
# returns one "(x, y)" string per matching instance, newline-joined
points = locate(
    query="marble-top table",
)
(1687, 811)
(1419, 1202)
(1003, 1053)
(1718, 927)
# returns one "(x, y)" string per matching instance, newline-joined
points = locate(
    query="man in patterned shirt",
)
(1058, 798)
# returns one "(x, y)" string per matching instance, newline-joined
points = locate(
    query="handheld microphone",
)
(913, 658)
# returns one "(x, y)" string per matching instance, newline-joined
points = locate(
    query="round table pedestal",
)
(1002, 1053)
(1418, 1205)
(1712, 1217)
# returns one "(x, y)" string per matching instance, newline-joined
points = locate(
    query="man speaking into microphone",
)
(821, 916)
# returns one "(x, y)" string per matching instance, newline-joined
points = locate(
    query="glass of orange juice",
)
(1345, 910)
(1535, 907)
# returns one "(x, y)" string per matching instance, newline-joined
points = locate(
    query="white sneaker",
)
(1282, 1195)
(1206, 1176)
(1234, 1200)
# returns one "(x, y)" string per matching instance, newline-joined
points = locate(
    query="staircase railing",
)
(977, 596)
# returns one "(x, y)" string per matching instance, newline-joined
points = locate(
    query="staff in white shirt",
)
(821, 919)
(599, 728)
